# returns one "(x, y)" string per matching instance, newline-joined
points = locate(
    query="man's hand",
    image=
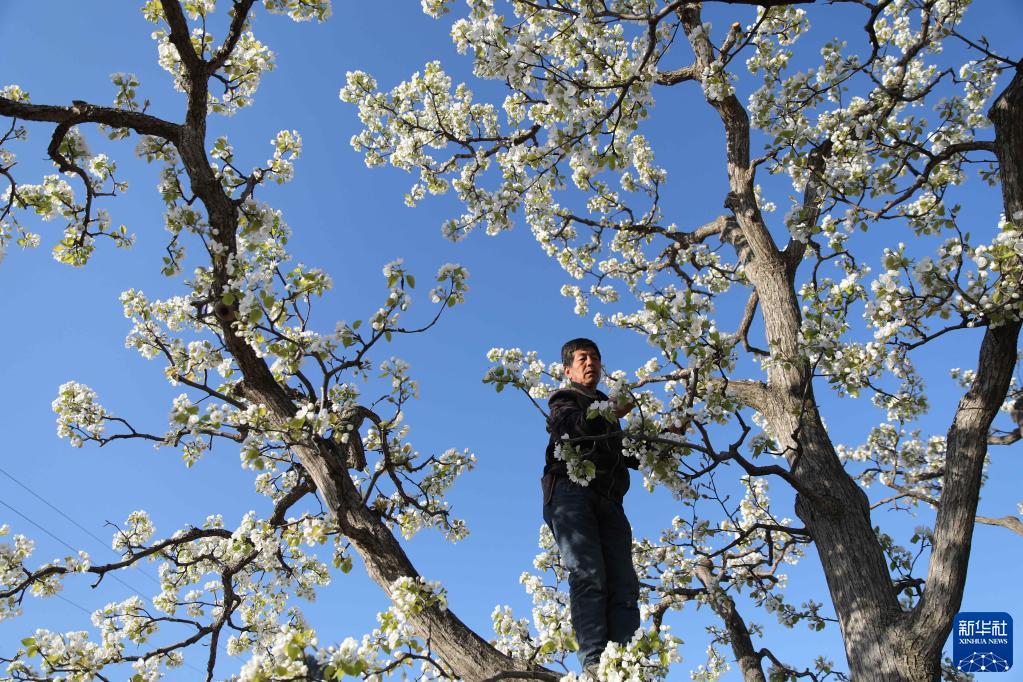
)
(624, 407)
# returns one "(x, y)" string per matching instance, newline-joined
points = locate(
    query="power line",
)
(40, 527)
(52, 535)
(75, 604)
(78, 525)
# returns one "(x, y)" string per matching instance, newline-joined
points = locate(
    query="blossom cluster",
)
(79, 416)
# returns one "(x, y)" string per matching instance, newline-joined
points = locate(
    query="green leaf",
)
(352, 669)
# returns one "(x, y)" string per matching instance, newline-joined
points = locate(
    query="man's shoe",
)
(591, 670)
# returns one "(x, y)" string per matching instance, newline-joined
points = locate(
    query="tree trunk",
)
(968, 436)
(882, 641)
(836, 513)
(466, 655)
(832, 506)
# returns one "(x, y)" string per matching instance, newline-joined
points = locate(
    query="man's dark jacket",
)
(568, 417)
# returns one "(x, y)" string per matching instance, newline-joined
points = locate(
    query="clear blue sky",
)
(62, 324)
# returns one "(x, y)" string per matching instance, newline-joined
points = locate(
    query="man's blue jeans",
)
(595, 541)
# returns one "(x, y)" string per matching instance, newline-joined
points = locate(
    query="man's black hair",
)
(570, 347)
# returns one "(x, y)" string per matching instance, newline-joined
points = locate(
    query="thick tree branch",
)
(1004, 438)
(754, 394)
(744, 325)
(724, 606)
(83, 112)
(1011, 522)
(181, 39)
(234, 32)
(196, 71)
(813, 195)
(964, 459)
(968, 436)
(686, 73)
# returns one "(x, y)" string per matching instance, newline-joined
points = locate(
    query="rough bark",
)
(968, 435)
(462, 650)
(83, 112)
(1009, 522)
(724, 606)
(834, 509)
(882, 641)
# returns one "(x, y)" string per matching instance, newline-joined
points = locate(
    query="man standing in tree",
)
(588, 521)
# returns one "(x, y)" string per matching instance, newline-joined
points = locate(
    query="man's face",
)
(585, 367)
